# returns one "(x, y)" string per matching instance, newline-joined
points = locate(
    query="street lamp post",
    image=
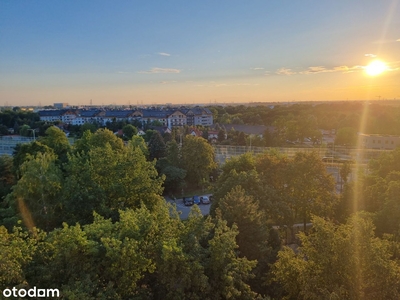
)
(250, 141)
(33, 131)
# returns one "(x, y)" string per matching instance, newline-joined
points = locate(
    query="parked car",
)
(187, 201)
(196, 200)
(204, 200)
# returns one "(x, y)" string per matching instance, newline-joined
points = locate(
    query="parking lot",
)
(185, 210)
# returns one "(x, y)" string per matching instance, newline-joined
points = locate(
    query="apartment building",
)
(167, 117)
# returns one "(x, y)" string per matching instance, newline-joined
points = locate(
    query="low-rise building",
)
(88, 116)
(377, 141)
(50, 115)
(151, 115)
(63, 115)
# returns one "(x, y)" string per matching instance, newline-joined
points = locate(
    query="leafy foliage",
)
(344, 262)
(198, 159)
(145, 255)
(156, 146)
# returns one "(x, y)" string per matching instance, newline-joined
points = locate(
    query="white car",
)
(204, 200)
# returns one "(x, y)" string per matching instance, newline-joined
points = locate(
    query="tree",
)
(345, 171)
(16, 250)
(227, 273)
(205, 134)
(7, 178)
(268, 138)
(311, 188)
(129, 131)
(24, 130)
(306, 126)
(87, 126)
(339, 262)
(37, 192)
(198, 159)
(105, 180)
(346, 136)
(146, 254)
(173, 153)
(23, 151)
(221, 135)
(241, 139)
(376, 192)
(156, 146)
(101, 138)
(174, 176)
(139, 142)
(167, 137)
(57, 140)
(316, 136)
(240, 209)
(386, 219)
(149, 133)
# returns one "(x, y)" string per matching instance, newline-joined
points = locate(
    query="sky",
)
(185, 52)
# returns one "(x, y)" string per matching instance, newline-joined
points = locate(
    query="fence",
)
(8, 143)
(223, 152)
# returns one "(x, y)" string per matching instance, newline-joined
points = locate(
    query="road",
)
(185, 210)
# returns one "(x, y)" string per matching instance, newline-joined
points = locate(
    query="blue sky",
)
(196, 51)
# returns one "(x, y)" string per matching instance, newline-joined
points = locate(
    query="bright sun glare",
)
(376, 67)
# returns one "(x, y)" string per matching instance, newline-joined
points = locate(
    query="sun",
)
(375, 68)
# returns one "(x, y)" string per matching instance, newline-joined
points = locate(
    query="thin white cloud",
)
(167, 82)
(315, 70)
(285, 71)
(341, 69)
(160, 70)
(322, 69)
(257, 68)
(163, 54)
(370, 55)
(398, 40)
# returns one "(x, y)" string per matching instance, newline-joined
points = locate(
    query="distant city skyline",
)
(180, 52)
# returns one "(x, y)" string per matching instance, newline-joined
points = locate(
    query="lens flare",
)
(375, 68)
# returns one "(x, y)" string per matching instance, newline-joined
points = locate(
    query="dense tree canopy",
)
(289, 190)
(340, 262)
(145, 255)
(198, 159)
(89, 218)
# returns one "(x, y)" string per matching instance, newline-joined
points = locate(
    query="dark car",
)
(196, 200)
(187, 201)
